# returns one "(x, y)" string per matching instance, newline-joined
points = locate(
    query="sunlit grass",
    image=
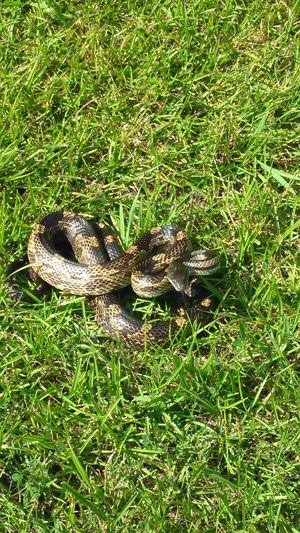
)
(144, 114)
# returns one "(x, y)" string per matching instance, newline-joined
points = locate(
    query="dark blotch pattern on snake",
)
(96, 265)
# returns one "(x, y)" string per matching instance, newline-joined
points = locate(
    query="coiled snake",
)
(67, 252)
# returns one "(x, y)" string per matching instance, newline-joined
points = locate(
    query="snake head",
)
(178, 275)
(197, 263)
(202, 262)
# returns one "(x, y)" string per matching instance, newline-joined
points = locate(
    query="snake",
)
(80, 257)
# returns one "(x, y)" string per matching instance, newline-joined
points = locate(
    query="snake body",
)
(97, 266)
(91, 274)
(115, 320)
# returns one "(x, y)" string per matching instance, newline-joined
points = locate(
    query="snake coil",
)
(69, 253)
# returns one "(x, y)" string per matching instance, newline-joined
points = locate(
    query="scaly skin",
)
(99, 267)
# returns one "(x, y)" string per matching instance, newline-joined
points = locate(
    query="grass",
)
(144, 113)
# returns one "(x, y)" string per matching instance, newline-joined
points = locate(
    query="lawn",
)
(144, 113)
